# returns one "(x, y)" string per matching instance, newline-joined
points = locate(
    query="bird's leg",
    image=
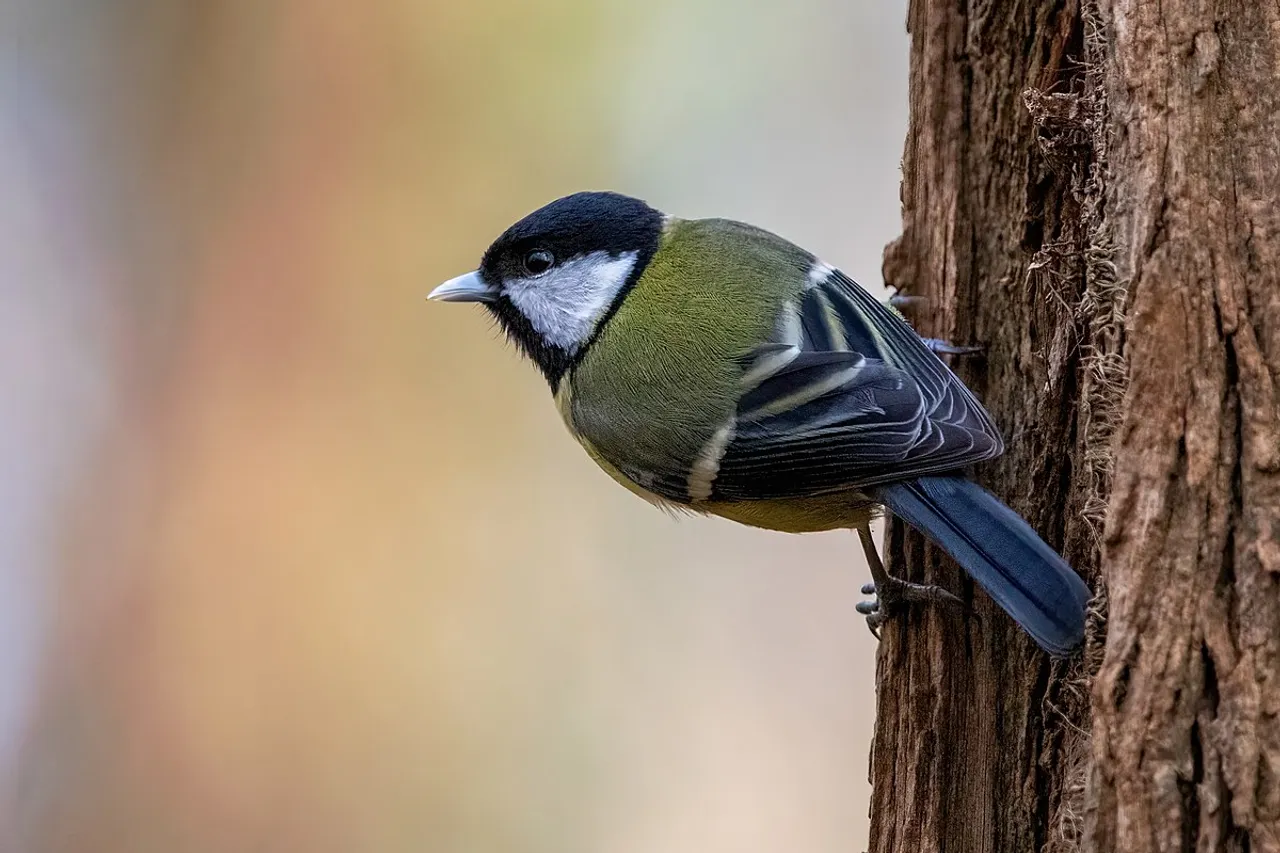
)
(892, 593)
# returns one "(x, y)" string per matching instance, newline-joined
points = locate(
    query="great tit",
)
(712, 366)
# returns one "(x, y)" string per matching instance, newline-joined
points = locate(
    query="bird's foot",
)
(901, 302)
(891, 595)
(905, 301)
(945, 348)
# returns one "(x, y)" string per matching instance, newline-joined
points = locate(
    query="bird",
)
(714, 367)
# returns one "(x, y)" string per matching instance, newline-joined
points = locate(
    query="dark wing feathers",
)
(851, 399)
(809, 376)
(822, 327)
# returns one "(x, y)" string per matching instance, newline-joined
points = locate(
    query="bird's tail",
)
(1000, 552)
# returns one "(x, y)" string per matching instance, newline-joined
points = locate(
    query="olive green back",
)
(662, 376)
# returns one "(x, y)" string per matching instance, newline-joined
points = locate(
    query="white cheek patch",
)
(565, 304)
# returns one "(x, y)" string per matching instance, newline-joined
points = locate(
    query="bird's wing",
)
(846, 396)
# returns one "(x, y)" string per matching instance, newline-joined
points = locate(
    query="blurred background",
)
(292, 560)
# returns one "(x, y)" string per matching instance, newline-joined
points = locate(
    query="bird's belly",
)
(797, 515)
(836, 511)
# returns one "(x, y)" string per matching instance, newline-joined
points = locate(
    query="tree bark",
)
(1090, 192)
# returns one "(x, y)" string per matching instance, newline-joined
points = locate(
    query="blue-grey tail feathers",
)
(1000, 552)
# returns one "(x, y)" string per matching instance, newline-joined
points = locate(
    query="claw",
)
(871, 610)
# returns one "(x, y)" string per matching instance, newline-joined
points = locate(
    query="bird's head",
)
(553, 278)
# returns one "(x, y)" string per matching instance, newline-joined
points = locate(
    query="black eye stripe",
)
(575, 226)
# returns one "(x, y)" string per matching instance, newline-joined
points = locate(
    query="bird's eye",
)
(538, 261)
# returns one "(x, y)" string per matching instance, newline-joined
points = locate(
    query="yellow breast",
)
(797, 515)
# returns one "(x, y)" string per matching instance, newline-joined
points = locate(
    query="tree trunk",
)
(1090, 192)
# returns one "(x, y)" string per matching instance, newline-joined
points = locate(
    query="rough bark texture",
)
(1187, 703)
(1090, 191)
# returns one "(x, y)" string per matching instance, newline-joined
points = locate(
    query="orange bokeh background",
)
(296, 561)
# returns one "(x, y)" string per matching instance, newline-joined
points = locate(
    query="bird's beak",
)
(465, 288)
